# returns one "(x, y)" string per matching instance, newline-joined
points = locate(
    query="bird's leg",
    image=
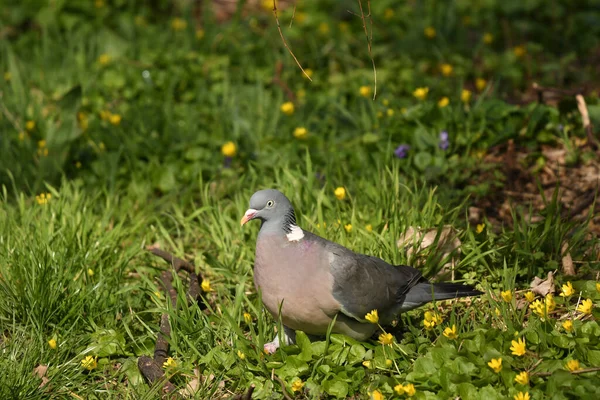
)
(289, 337)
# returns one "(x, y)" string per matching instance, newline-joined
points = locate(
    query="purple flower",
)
(444, 142)
(402, 151)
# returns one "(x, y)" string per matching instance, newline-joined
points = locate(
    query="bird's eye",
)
(270, 203)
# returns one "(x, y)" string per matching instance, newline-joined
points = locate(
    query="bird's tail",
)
(424, 292)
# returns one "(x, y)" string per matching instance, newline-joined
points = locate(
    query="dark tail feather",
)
(424, 292)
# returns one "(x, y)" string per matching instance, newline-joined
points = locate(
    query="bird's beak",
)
(250, 213)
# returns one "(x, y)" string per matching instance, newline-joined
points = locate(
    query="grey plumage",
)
(313, 279)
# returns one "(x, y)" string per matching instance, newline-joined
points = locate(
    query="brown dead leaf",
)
(40, 372)
(193, 385)
(543, 286)
(568, 268)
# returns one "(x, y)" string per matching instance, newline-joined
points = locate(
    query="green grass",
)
(75, 269)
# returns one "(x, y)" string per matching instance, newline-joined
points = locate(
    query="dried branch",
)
(285, 42)
(585, 118)
(369, 39)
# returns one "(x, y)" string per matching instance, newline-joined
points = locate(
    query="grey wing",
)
(364, 283)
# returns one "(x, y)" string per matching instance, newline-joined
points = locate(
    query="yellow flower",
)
(506, 296)
(443, 102)
(178, 24)
(247, 317)
(115, 119)
(529, 296)
(365, 91)
(568, 325)
(598, 286)
(7, 76)
(539, 308)
(390, 112)
(52, 343)
(518, 347)
(170, 363)
(409, 389)
(308, 72)
(206, 285)
(83, 120)
(90, 272)
(567, 290)
(324, 28)
(480, 84)
(488, 38)
(550, 303)
(241, 355)
(105, 115)
(30, 125)
(287, 108)
(348, 228)
(300, 17)
(41, 144)
(399, 389)
(573, 365)
(522, 378)
(369, 228)
(522, 396)
(450, 333)
(431, 319)
(388, 362)
(43, 198)
(229, 149)
(585, 307)
(297, 385)
(104, 59)
(340, 193)
(421, 93)
(300, 133)
(89, 363)
(376, 395)
(480, 228)
(496, 364)
(99, 3)
(429, 32)
(22, 136)
(446, 69)
(519, 51)
(372, 317)
(386, 338)
(465, 96)
(366, 364)
(344, 26)
(139, 20)
(388, 13)
(199, 34)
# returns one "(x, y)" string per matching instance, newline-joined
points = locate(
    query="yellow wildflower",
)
(598, 286)
(530, 296)
(366, 364)
(206, 285)
(518, 347)
(7, 76)
(409, 389)
(324, 28)
(443, 102)
(451, 333)
(550, 303)
(139, 20)
(22, 136)
(52, 343)
(170, 363)
(522, 396)
(429, 32)
(297, 385)
(90, 272)
(300, 17)
(573, 365)
(421, 93)
(300, 133)
(105, 115)
(241, 355)
(465, 95)
(43, 198)
(567, 290)
(101, 146)
(199, 34)
(99, 3)
(386, 338)
(348, 228)
(496, 364)
(389, 13)
(388, 362)
(178, 24)
(506, 296)
(488, 38)
(446, 69)
(568, 325)
(376, 395)
(344, 26)
(480, 228)
(287, 108)
(369, 228)
(585, 307)
(247, 317)
(308, 72)
(83, 120)
(497, 311)
(89, 363)
(519, 51)
(340, 193)
(480, 84)
(115, 119)
(365, 91)
(30, 125)
(399, 389)
(372, 317)
(390, 112)
(104, 59)
(539, 308)
(522, 378)
(229, 149)
(431, 319)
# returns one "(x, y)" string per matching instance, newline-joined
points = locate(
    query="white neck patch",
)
(295, 234)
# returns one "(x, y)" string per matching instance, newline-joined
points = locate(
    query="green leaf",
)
(305, 346)
(336, 388)
(423, 160)
(357, 353)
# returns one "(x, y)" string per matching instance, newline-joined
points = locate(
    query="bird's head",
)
(270, 205)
